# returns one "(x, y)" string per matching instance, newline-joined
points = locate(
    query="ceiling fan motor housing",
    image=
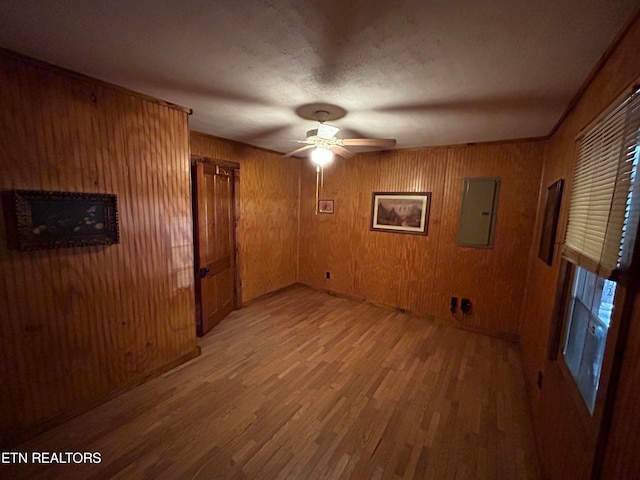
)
(321, 115)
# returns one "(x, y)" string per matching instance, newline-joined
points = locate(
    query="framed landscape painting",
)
(400, 212)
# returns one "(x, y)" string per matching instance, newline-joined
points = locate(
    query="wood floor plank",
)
(307, 385)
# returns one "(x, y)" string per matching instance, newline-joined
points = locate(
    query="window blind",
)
(600, 213)
(631, 196)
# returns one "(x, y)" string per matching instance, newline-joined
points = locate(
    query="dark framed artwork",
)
(550, 222)
(325, 206)
(43, 219)
(400, 212)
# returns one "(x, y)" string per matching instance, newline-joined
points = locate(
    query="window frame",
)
(558, 338)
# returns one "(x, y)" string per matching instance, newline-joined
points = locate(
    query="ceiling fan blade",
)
(343, 152)
(369, 142)
(298, 150)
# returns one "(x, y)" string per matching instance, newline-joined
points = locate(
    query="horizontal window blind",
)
(600, 216)
(630, 197)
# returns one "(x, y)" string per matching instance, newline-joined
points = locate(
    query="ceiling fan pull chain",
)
(317, 182)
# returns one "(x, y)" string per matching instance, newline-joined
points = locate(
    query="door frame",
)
(234, 169)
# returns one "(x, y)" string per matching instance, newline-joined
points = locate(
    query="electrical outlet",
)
(465, 305)
(328, 275)
(454, 304)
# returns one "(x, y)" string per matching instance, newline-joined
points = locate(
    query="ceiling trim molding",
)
(386, 152)
(87, 79)
(235, 143)
(596, 69)
(461, 145)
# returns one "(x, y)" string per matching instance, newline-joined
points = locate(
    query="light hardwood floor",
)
(305, 385)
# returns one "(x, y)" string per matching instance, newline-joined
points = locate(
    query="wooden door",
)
(214, 221)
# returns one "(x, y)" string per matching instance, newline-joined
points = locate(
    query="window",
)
(589, 319)
(603, 219)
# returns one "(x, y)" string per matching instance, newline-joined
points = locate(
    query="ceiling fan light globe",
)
(321, 156)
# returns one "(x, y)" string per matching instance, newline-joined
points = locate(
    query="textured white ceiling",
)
(424, 72)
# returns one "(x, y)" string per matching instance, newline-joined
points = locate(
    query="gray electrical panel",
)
(478, 215)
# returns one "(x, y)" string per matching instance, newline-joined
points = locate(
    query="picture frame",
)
(47, 219)
(325, 206)
(550, 221)
(400, 212)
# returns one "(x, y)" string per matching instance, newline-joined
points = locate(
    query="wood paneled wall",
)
(618, 73)
(421, 273)
(78, 324)
(268, 226)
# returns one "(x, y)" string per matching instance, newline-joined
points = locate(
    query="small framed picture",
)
(325, 206)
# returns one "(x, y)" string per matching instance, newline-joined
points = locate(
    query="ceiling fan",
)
(324, 142)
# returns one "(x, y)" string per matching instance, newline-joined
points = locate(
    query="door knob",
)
(204, 272)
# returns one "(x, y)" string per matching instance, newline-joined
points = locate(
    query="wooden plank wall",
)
(78, 324)
(421, 273)
(268, 225)
(620, 71)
